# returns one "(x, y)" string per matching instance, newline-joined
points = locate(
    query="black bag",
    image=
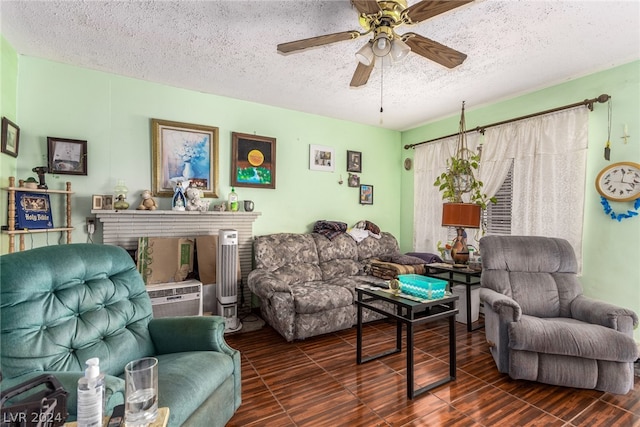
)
(43, 403)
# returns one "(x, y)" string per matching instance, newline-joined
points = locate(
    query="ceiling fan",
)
(380, 18)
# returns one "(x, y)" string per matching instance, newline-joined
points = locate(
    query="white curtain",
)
(549, 167)
(549, 155)
(430, 160)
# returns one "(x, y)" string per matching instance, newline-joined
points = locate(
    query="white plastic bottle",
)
(91, 395)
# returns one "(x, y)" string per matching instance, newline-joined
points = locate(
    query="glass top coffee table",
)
(410, 313)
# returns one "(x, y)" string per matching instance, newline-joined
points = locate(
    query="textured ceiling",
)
(228, 48)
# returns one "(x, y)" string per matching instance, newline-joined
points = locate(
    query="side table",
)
(410, 313)
(460, 276)
(161, 421)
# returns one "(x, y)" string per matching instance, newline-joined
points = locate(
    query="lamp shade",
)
(399, 49)
(381, 45)
(365, 54)
(461, 215)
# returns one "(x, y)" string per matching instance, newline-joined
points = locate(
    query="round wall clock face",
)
(619, 182)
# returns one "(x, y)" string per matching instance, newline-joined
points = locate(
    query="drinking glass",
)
(141, 394)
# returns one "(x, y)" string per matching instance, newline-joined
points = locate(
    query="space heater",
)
(227, 279)
(176, 299)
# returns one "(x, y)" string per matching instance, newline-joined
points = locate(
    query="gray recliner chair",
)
(541, 328)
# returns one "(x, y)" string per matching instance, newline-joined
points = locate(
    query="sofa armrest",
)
(507, 308)
(114, 388)
(195, 333)
(601, 313)
(264, 284)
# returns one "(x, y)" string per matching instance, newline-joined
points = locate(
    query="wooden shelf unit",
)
(11, 220)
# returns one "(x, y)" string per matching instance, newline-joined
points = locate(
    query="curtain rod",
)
(587, 102)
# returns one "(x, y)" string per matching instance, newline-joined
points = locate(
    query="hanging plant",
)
(459, 178)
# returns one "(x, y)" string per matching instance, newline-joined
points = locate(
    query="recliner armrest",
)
(264, 283)
(601, 313)
(506, 307)
(195, 333)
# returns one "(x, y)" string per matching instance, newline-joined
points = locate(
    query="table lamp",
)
(460, 215)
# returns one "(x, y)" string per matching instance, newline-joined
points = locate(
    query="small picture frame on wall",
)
(366, 194)
(354, 161)
(353, 180)
(67, 156)
(322, 158)
(10, 137)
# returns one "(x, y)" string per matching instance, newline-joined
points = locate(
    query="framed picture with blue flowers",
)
(184, 152)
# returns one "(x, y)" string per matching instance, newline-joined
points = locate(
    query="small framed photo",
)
(366, 194)
(253, 161)
(107, 202)
(96, 202)
(353, 180)
(67, 156)
(10, 137)
(322, 158)
(354, 161)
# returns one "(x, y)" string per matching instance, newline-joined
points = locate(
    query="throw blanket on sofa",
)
(329, 229)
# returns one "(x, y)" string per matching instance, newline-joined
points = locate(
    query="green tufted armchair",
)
(61, 305)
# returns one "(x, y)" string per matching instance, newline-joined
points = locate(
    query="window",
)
(497, 216)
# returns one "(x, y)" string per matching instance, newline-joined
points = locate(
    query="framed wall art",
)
(184, 152)
(322, 158)
(67, 156)
(253, 161)
(10, 137)
(366, 194)
(353, 180)
(354, 161)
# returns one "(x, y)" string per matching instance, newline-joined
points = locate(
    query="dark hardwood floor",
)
(316, 382)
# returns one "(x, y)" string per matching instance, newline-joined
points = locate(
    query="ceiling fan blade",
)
(429, 8)
(362, 73)
(433, 50)
(317, 41)
(366, 7)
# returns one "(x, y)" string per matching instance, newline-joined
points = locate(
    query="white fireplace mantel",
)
(123, 228)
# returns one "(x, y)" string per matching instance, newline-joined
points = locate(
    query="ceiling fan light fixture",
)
(399, 49)
(365, 54)
(381, 45)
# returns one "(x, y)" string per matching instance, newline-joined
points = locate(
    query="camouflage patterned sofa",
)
(306, 283)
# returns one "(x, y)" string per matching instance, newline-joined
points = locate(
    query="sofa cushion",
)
(299, 273)
(274, 251)
(571, 337)
(314, 297)
(340, 247)
(373, 248)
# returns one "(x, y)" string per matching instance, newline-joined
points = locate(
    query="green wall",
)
(8, 88)
(610, 259)
(113, 114)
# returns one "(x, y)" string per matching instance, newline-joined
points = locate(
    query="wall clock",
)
(619, 182)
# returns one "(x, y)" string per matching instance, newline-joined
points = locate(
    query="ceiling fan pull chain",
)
(381, 87)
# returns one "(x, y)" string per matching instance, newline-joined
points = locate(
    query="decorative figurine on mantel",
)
(147, 203)
(194, 202)
(179, 201)
(121, 191)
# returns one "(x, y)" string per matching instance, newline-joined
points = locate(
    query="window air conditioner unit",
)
(176, 299)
